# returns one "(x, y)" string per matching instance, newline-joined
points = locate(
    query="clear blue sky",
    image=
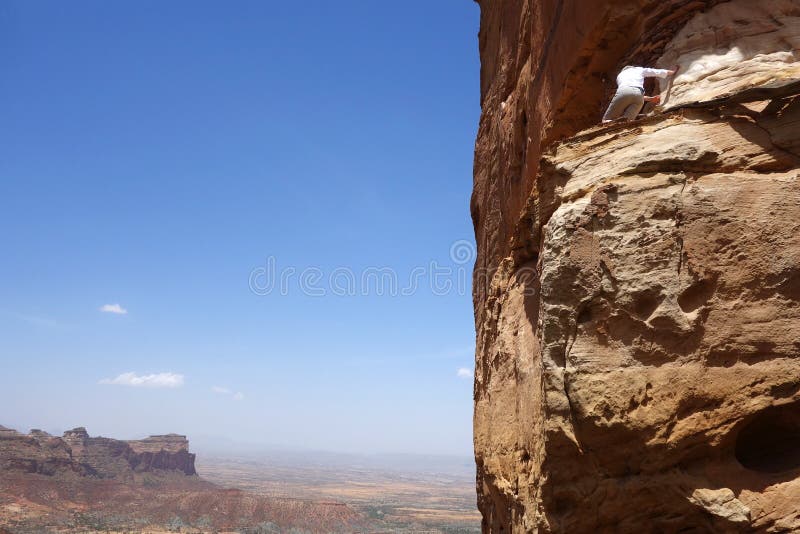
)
(155, 153)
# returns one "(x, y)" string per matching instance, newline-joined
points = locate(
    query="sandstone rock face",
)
(77, 452)
(733, 47)
(637, 290)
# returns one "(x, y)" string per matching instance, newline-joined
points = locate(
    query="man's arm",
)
(657, 73)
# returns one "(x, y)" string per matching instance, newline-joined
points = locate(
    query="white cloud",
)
(463, 372)
(226, 391)
(156, 380)
(113, 308)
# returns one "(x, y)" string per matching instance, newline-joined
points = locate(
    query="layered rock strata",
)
(77, 452)
(637, 290)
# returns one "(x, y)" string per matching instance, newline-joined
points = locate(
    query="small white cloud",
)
(463, 372)
(113, 308)
(156, 380)
(226, 391)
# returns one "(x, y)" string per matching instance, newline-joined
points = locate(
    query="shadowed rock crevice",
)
(770, 442)
(697, 295)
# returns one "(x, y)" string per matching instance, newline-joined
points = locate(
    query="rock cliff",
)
(77, 483)
(637, 287)
(77, 452)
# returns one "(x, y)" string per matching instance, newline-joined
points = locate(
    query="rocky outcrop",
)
(637, 290)
(77, 452)
(78, 483)
(33, 453)
(732, 49)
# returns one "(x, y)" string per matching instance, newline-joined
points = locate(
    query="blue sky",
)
(156, 155)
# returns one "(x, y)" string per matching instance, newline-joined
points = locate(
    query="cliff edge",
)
(78, 483)
(637, 287)
(76, 452)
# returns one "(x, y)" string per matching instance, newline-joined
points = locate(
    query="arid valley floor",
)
(82, 483)
(399, 496)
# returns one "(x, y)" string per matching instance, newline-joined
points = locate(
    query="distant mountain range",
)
(76, 483)
(77, 452)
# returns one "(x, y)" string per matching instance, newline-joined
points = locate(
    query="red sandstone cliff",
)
(77, 483)
(637, 288)
(77, 452)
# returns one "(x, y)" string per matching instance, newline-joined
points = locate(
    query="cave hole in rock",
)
(647, 302)
(770, 443)
(697, 295)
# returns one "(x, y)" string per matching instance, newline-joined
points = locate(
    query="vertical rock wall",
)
(637, 288)
(77, 452)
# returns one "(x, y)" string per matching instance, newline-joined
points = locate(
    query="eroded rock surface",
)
(77, 452)
(637, 290)
(734, 46)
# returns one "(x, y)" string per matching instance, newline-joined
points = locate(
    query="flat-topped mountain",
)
(77, 452)
(79, 483)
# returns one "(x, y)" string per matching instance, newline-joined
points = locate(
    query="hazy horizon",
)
(219, 445)
(248, 223)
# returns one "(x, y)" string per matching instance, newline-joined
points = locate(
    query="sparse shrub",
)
(176, 524)
(266, 527)
(204, 522)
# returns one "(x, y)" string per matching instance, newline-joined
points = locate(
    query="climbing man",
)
(630, 97)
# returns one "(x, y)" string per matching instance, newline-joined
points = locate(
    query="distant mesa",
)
(77, 452)
(78, 483)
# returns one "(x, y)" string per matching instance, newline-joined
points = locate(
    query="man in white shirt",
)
(630, 98)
